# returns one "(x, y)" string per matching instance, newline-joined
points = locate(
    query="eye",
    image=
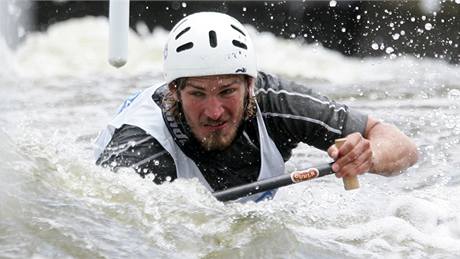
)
(196, 93)
(228, 91)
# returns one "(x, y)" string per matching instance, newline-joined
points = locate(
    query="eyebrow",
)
(194, 86)
(199, 87)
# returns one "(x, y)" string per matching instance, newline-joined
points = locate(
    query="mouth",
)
(214, 126)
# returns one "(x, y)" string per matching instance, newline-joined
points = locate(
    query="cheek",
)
(189, 103)
(237, 104)
(192, 108)
(236, 100)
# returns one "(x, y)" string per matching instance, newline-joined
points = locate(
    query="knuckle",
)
(367, 144)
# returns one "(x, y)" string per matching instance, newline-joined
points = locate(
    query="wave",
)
(79, 47)
(9, 67)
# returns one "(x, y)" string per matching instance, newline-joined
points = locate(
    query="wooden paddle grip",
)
(349, 182)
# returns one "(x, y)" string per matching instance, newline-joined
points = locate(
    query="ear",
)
(251, 85)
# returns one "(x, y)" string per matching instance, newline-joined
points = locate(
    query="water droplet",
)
(375, 46)
(389, 50)
(333, 3)
(395, 36)
(428, 26)
(184, 4)
(244, 9)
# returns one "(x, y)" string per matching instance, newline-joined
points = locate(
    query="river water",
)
(58, 91)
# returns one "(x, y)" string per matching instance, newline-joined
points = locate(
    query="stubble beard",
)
(217, 140)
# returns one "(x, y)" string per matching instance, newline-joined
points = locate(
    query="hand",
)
(353, 158)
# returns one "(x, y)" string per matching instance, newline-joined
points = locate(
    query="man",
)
(217, 119)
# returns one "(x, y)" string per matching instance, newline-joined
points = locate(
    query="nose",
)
(214, 108)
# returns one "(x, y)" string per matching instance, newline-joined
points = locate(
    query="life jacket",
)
(143, 112)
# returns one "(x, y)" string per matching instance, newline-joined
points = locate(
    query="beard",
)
(218, 140)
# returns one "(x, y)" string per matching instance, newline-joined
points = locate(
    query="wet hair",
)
(174, 106)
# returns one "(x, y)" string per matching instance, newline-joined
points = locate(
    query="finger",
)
(353, 154)
(353, 170)
(351, 141)
(358, 166)
(333, 152)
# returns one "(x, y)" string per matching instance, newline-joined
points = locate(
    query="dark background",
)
(336, 27)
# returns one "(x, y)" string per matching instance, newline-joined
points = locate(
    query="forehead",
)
(215, 80)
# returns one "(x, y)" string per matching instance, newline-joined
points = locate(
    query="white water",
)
(58, 91)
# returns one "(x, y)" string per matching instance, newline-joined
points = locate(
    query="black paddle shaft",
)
(273, 183)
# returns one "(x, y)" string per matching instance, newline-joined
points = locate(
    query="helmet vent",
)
(239, 44)
(186, 46)
(212, 39)
(238, 29)
(182, 32)
(177, 26)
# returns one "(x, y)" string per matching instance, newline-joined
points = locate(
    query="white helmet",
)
(208, 43)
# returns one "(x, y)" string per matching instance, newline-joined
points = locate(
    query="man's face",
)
(214, 108)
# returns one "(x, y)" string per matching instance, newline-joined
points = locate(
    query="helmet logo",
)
(241, 70)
